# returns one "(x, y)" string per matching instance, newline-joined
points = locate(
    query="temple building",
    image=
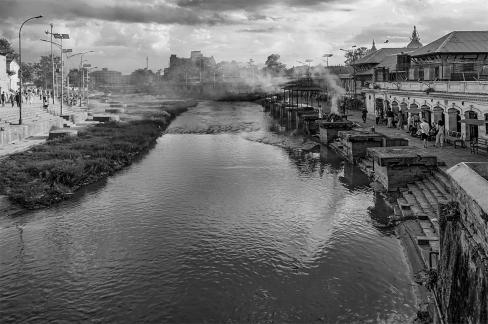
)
(446, 79)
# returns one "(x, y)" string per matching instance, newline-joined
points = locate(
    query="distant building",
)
(196, 68)
(106, 77)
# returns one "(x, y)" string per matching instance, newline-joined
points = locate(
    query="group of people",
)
(426, 131)
(416, 125)
(27, 96)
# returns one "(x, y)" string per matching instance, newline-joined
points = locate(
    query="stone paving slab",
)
(448, 154)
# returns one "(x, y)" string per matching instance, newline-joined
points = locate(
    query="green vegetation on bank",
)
(51, 172)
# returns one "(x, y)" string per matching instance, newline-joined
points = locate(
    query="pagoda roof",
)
(456, 42)
(379, 55)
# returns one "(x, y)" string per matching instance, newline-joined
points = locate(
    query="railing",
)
(435, 86)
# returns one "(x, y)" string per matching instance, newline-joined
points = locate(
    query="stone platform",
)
(329, 130)
(394, 167)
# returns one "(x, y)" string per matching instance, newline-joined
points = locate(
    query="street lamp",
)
(327, 58)
(61, 37)
(88, 84)
(81, 61)
(82, 71)
(52, 59)
(20, 70)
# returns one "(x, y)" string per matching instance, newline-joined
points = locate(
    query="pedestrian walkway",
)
(36, 124)
(448, 154)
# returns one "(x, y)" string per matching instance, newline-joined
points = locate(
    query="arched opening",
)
(438, 114)
(471, 129)
(379, 110)
(403, 113)
(395, 107)
(454, 120)
(486, 124)
(426, 114)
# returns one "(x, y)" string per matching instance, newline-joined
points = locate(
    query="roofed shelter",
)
(457, 56)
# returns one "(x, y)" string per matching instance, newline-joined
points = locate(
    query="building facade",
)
(444, 80)
(13, 72)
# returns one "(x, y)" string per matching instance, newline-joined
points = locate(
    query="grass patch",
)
(51, 172)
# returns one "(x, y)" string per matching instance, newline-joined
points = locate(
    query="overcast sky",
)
(124, 32)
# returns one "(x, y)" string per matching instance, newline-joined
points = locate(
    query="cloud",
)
(251, 5)
(134, 12)
(257, 30)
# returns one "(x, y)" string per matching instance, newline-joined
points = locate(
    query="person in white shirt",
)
(424, 131)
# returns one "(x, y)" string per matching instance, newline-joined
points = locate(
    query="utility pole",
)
(147, 62)
(52, 61)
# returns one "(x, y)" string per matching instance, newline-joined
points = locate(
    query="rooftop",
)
(457, 42)
(379, 55)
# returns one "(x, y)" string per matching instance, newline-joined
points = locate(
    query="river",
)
(224, 221)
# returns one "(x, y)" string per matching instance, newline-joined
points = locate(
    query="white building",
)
(4, 77)
(446, 79)
(13, 71)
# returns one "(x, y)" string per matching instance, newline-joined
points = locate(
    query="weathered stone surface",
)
(462, 286)
(58, 133)
(106, 118)
(394, 167)
(115, 110)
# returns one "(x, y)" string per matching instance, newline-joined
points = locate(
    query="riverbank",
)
(52, 172)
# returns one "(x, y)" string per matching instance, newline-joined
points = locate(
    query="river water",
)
(224, 221)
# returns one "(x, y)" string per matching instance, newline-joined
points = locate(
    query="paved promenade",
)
(9, 114)
(448, 154)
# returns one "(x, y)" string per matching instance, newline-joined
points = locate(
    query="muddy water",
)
(213, 225)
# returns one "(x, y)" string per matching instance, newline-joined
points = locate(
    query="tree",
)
(355, 54)
(274, 66)
(74, 76)
(6, 49)
(29, 71)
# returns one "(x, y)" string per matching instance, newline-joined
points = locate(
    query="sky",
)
(124, 32)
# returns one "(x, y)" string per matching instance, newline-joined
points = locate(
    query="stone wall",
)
(462, 285)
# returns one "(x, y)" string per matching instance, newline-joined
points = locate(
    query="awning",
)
(476, 122)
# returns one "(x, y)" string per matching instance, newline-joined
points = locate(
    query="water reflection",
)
(210, 227)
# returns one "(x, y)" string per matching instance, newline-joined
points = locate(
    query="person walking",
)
(424, 131)
(12, 99)
(3, 98)
(389, 117)
(439, 137)
(400, 121)
(18, 98)
(364, 114)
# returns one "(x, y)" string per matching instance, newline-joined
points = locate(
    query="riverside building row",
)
(446, 79)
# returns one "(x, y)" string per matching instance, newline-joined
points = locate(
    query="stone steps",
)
(421, 200)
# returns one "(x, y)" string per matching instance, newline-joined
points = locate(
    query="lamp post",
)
(20, 65)
(87, 83)
(327, 58)
(353, 68)
(52, 58)
(61, 37)
(80, 70)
